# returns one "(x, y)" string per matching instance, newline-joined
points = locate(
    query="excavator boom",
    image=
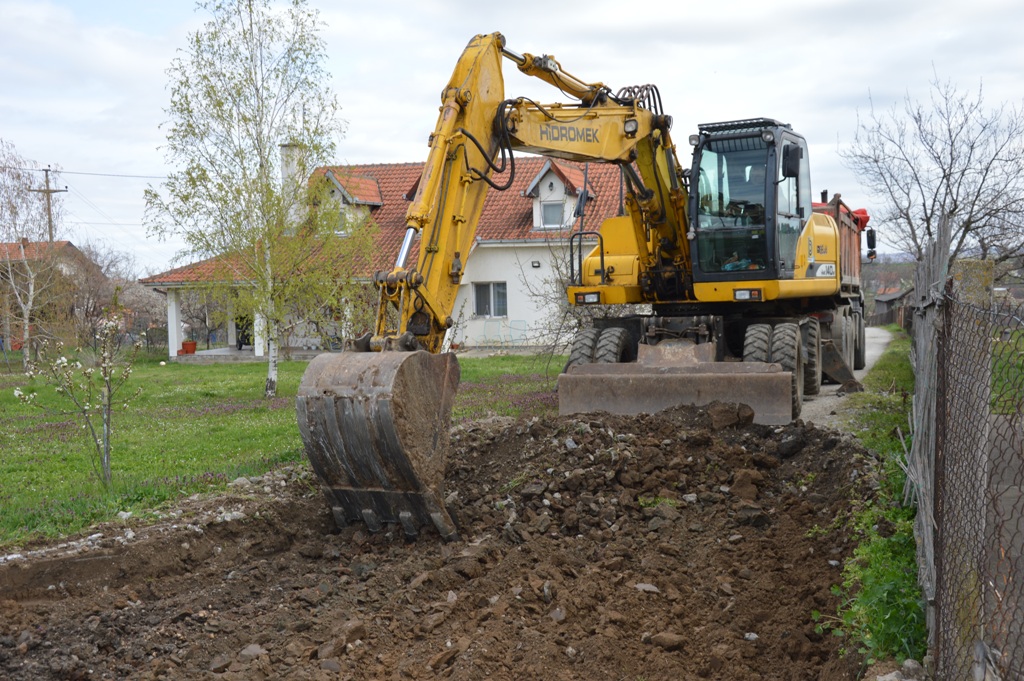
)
(374, 419)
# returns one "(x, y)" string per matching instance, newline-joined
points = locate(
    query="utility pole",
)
(49, 193)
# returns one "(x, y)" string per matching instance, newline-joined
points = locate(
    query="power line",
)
(78, 221)
(78, 172)
(91, 204)
(141, 177)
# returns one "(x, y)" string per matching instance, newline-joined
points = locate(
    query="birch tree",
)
(247, 91)
(30, 275)
(951, 155)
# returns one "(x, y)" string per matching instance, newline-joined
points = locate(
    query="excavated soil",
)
(676, 546)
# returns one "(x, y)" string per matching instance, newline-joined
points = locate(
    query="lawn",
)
(193, 429)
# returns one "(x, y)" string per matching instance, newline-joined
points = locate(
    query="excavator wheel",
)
(757, 343)
(786, 351)
(613, 346)
(582, 349)
(812, 369)
(375, 429)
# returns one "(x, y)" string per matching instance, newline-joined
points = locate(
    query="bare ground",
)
(683, 545)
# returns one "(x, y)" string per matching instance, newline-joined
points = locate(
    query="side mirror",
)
(871, 239)
(791, 155)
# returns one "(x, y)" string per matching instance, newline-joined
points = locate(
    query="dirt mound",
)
(681, 545)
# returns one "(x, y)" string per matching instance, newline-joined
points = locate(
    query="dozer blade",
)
(635, 388)
(375, 427)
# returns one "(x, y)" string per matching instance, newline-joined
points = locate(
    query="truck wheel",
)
(841, 335)
(582, 349)
(614, 346)
(851, 339)
(787, 351)
(812, 369)
(860, 346)
(757, 343)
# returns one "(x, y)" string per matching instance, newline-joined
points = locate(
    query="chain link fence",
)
(971, 492)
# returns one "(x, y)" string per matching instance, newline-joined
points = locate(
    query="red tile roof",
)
(388, 188)
(217, 268)
(359, 189)
(34, 250)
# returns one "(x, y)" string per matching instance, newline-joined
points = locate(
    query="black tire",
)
(582, 349)
(860, 346)
(851, 339)
(812, 367)
(757, 343)
(787, 351)
(840, 336)
(614, 346)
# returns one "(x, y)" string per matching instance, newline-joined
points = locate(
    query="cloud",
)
(83, 84)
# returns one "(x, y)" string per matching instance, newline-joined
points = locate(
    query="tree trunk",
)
(105, 458)
(26, 340)
(271, 389)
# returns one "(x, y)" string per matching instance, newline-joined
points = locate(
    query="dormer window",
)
(554, 191)
(358, 195)
(552, 214)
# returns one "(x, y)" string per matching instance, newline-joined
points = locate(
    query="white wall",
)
(525, 323)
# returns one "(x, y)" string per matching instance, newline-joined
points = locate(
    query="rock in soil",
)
(668, 546)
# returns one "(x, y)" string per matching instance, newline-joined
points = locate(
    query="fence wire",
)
(979, 491)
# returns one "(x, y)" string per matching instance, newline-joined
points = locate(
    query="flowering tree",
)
(92, 388)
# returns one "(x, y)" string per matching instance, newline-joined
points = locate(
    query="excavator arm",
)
(374, 420)
(471, 152)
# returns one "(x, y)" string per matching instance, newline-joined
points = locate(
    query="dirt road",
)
(826, 408)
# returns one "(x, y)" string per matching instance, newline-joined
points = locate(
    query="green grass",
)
(1008, 374)
(507, 385)
(882, 611)
(193, 429)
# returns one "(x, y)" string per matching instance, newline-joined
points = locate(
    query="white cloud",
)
(82, 82)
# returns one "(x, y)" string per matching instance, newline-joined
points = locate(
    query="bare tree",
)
(104, 274)
(952, 156)
(32, 281)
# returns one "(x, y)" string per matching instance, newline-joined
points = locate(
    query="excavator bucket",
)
(660, 379)
(375, 427)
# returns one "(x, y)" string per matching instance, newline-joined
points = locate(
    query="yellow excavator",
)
(751, 292)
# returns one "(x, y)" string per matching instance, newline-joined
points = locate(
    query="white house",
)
(511, 289)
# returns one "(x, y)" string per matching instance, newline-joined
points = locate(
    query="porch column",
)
(174, 334)
(259, 336)
(232, 329)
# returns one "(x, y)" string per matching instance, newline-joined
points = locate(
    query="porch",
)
(246, 354)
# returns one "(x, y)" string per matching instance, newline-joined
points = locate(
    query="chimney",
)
(290, 165)
(291, 181)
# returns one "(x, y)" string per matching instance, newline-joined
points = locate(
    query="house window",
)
(551, 214)
(491, 299)
(348, 217)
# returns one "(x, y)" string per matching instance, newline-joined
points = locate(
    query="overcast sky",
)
(83, 82)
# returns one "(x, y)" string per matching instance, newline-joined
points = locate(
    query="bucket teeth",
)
(375, 428)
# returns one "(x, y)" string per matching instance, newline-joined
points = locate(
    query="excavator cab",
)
(746, 208)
